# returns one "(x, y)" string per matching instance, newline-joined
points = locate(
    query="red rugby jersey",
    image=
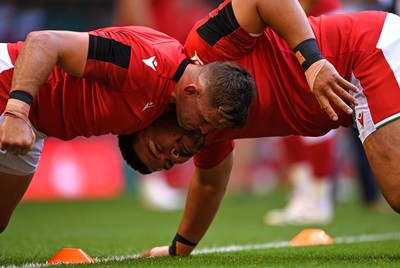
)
(128, 80)
(284, 105)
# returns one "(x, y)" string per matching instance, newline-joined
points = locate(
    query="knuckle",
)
(324, 107)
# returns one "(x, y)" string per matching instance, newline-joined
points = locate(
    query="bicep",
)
(72, 51)
(248, 16)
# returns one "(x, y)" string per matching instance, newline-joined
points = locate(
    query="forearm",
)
(287, 18)
(35, 62)
(205, 193)
(32, 67)
(42, 51)
(202, 204)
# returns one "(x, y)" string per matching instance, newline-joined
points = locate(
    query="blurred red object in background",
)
(78, 169)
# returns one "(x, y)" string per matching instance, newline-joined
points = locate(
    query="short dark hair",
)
(231, 89)
(125, 143)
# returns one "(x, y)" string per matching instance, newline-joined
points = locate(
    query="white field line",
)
(235, 248)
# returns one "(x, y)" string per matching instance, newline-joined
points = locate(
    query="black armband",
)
(180, 239)
(22, 96)
(307, 52)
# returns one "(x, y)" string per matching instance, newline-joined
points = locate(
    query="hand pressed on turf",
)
(155, 252)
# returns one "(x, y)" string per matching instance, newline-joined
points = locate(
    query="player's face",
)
(160, 146)
(196, 114)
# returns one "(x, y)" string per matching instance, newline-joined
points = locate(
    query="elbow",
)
(41, 37)
(43, 41)
(44, 47)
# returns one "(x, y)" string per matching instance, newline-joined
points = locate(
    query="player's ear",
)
(192, 89)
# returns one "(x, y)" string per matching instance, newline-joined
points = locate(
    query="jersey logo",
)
(148, 105)
(151, 62)
(360, 118)
(196, 60)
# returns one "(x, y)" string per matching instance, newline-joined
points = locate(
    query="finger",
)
(160, 252)
(334, 98)
(145, 254)
(345, 95)
(325, 105)
(16, 150)
(4, 147)
(347, 85)
(339, 102)
(342, 105)
(24, 151)
(10, 149)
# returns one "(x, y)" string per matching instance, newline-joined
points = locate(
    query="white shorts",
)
(378, 79)
(22, 165)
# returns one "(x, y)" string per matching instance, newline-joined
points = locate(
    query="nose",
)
(175, 154)
(205, 128)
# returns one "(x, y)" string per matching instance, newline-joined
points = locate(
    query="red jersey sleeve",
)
(108, 59)
(218, 37)
(212, 155)
(119, 56)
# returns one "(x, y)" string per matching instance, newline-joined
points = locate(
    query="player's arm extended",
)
(205, 193)
(288, 20)
(42, 51)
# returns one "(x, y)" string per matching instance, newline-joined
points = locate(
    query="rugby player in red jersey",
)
(114, 80)
(118, 80)
(363, 47)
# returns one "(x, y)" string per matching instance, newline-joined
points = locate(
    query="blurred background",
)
(84, 169)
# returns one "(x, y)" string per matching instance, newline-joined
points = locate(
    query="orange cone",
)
(70, 255)
(311, 237)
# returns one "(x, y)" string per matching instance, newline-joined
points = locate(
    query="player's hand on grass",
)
(155, 252)
(180, 247)
(16, 135)
(328, 86)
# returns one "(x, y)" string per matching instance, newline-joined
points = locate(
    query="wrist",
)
(22, 96)
(18, 105)
(313, 71)
(181, 246)
(307, 53)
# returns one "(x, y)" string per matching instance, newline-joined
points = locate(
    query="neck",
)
(190, 75)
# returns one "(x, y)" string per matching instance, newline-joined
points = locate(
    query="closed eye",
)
(158, 147)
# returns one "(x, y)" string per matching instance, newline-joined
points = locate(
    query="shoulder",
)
(141, 40)
(143, 46)
(133, 34)
(218, 36)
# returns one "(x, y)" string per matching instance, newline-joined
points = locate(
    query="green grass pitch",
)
(114, 231)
